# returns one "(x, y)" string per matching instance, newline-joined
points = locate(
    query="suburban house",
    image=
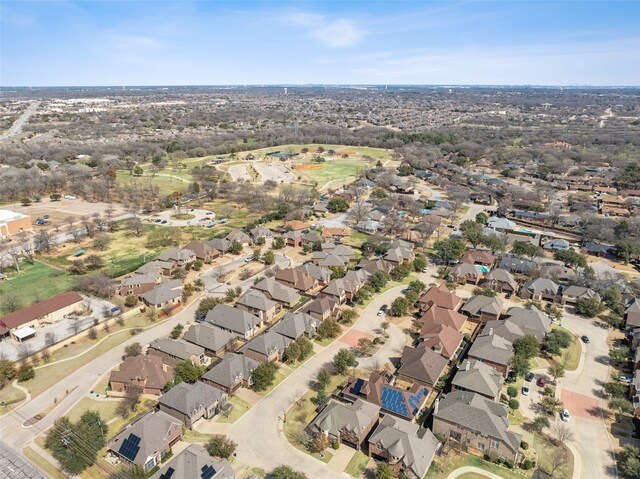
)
(191, 402)
(221, 244)
(557, 244)
(239, 236)
(195, 462)
(441, 338)
(311, 237)
(631, 314)
(213, 340)
(399, 401)
(320, 274)
(144, 374)
(278, 292)
(478, 377)
(500, 280)
(257, 303)
(137, 284)
(145, 442)
(345, 288)
(528, 320)
(478, 424)
(234, 320)
(338, 232)
(165, 295)
(493, 350)
(266, 347)
(176, 350)
(517, 265)
(22, 324)
(479, 257)
(295, 225)
(179, 257)
(231, 373)
(296, 325)
(374, 265)
(541, 289)
(572, 293)
(440, 296)
(296, 279)
(422, 366)
(204, 251)
(322, 308)
(293, 238)
(348, 423)
(399, 255)
(466, 273)
(397, 442)
(165, 268)
(483, 308)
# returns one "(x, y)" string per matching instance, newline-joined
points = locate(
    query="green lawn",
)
(357, 464)
(195, 437)
(444, 465)
(36, 282)
(106, 408)
(339, 169)
(166, 180)
(42, 464)
(572, 354)
(240, 406)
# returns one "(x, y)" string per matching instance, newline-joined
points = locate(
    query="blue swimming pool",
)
(484, 269)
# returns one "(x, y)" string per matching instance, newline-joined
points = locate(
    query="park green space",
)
(36, 282)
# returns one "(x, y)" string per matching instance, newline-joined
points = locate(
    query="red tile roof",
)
(39, 310)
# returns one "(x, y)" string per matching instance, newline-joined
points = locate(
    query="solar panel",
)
(355, 389)
(415, 399)
(168, 473)
(130, 447)
(393, 400)
(207, 472)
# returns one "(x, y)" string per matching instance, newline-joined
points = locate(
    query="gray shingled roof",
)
(208, 336)
(477, 305)
(177, 348)
(574, 291)
(294, 325)
(231, 318)
(233, 367)
(267, 343)
(491, 347)
(337, 416)
(190, 398)
(190, 463)
(541, 285)
(176, 254)
(478, 377)
(278, 291)
(531, 320)
(164, 292)
(254, 299)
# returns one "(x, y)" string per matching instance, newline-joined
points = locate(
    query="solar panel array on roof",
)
(416, 399)
(355, 389)
(168, 473)
(130, 447)
(393, 400)
(207, 472)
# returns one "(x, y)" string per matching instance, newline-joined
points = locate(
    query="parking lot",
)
(195, 217)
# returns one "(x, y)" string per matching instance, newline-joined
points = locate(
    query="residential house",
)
(478, 377)
(193, 463)
(517, 265)
(399, 255)
(167, 294)
(322, 308)
(165, 268)
(345, 288)
(478, 424)
(231, 373)
(260, 232)
(138, 284)
(441, 338)
(572, 293)
(493, 350)
(221, 244)
(500, 280)
(311, 237)
(440, 296)
(203, 250)
(212, 339)
(375, 265)
(296, 279)
(278, 292)
(234, 320)
(401, 444)
(22, 324)
(483, 308)
(557, 244)
(257, 303)
(318, 273)
(295, 225)
(335, 233)
(177, 256)
(144, 374)
(345, 422)
(240, 236)
(145, 442)
(526, 321)
(632, 314)
(466, 273)
(541, 289)
(176, 350)
(501, 224)
(295, 325)
(293, 238)
(479, 257)
(598, 249)
(422, 366)
(379, 390)
(266, 347)
(191, 402)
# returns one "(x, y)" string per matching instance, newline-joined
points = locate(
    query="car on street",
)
(529, 377)
(525, 390)
(507, 296)
(565, 415)
(542, 382)
(163, 222)
(383, 310)
(585, 339)
(248, 259)
(425, 270)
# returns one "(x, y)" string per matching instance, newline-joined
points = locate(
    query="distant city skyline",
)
(138, 43)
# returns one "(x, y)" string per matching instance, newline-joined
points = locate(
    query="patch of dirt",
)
(308, 166)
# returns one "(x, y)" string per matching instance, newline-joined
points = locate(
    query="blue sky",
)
(128, 42)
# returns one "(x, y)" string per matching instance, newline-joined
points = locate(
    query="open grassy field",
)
(331, 170)
(36, 282)
(166, 180)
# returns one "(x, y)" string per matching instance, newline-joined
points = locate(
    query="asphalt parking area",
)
(580, 405)
(351, 338)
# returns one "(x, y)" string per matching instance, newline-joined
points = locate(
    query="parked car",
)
(529, 377)
(625, 379)
(425, 270)
(565, 415)
(585, 339)
(507, 296)
(383, 310)
(525, 390)
(542, 382)
(248, 259)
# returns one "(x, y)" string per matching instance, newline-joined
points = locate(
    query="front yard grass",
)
(572, 354)
(42, 464)
(240, 406)
(442, 466)
(192, 436)
(357, 464)
(36, 282)
(106, 408)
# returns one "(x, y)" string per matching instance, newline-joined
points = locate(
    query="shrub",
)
(528, 464)
(510, 463)
(524, 445)
(25, 373)
(335, 445)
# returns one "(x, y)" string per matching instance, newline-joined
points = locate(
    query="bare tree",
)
(49, 339)
(562, 433)
(43, 241)
(24, 351)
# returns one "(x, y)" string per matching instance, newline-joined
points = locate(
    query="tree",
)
(285, 472)
(55, 196)
(472, 231)
(378, 280)
(512, 391)
(206, 305)
(589, 307)
(188, 372)
(557, 339)
(399, 307)
(482, 218)
(236, 248)
(221, 446)
(526, 249)
(43, 241)
(337, 205)
(135, 226)
(570, 256)
(484, 292)
(383, 471)
(138, 170)
(176, 331)
(539, 423)
(621, 354)
(420, 263)
(263, 376)
(10, 303)
(269, 258)
(527, 346)
(323, 379)
(329, 329)
(514, 404)
(627, 251)
(49, 339)
(556, 371)
(130, 301)
(551, 405)
(319, 443)
(101, 242)
(278, 243)
(133, 349)
(291, 353)
(494, 243)
(561, 432)
(93, 261)
(7, 371)
(622, 406)
(129, 403)
(400, 272)
(364, 345)
(450, 249)
(520, 364)
(629, 461)
(343, 360)
(135, 472)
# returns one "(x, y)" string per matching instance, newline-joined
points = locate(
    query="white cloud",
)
(335, 33)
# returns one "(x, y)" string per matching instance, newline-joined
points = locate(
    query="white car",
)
(425, 270)
(565, 415)
(248, 259)
(625, 379)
